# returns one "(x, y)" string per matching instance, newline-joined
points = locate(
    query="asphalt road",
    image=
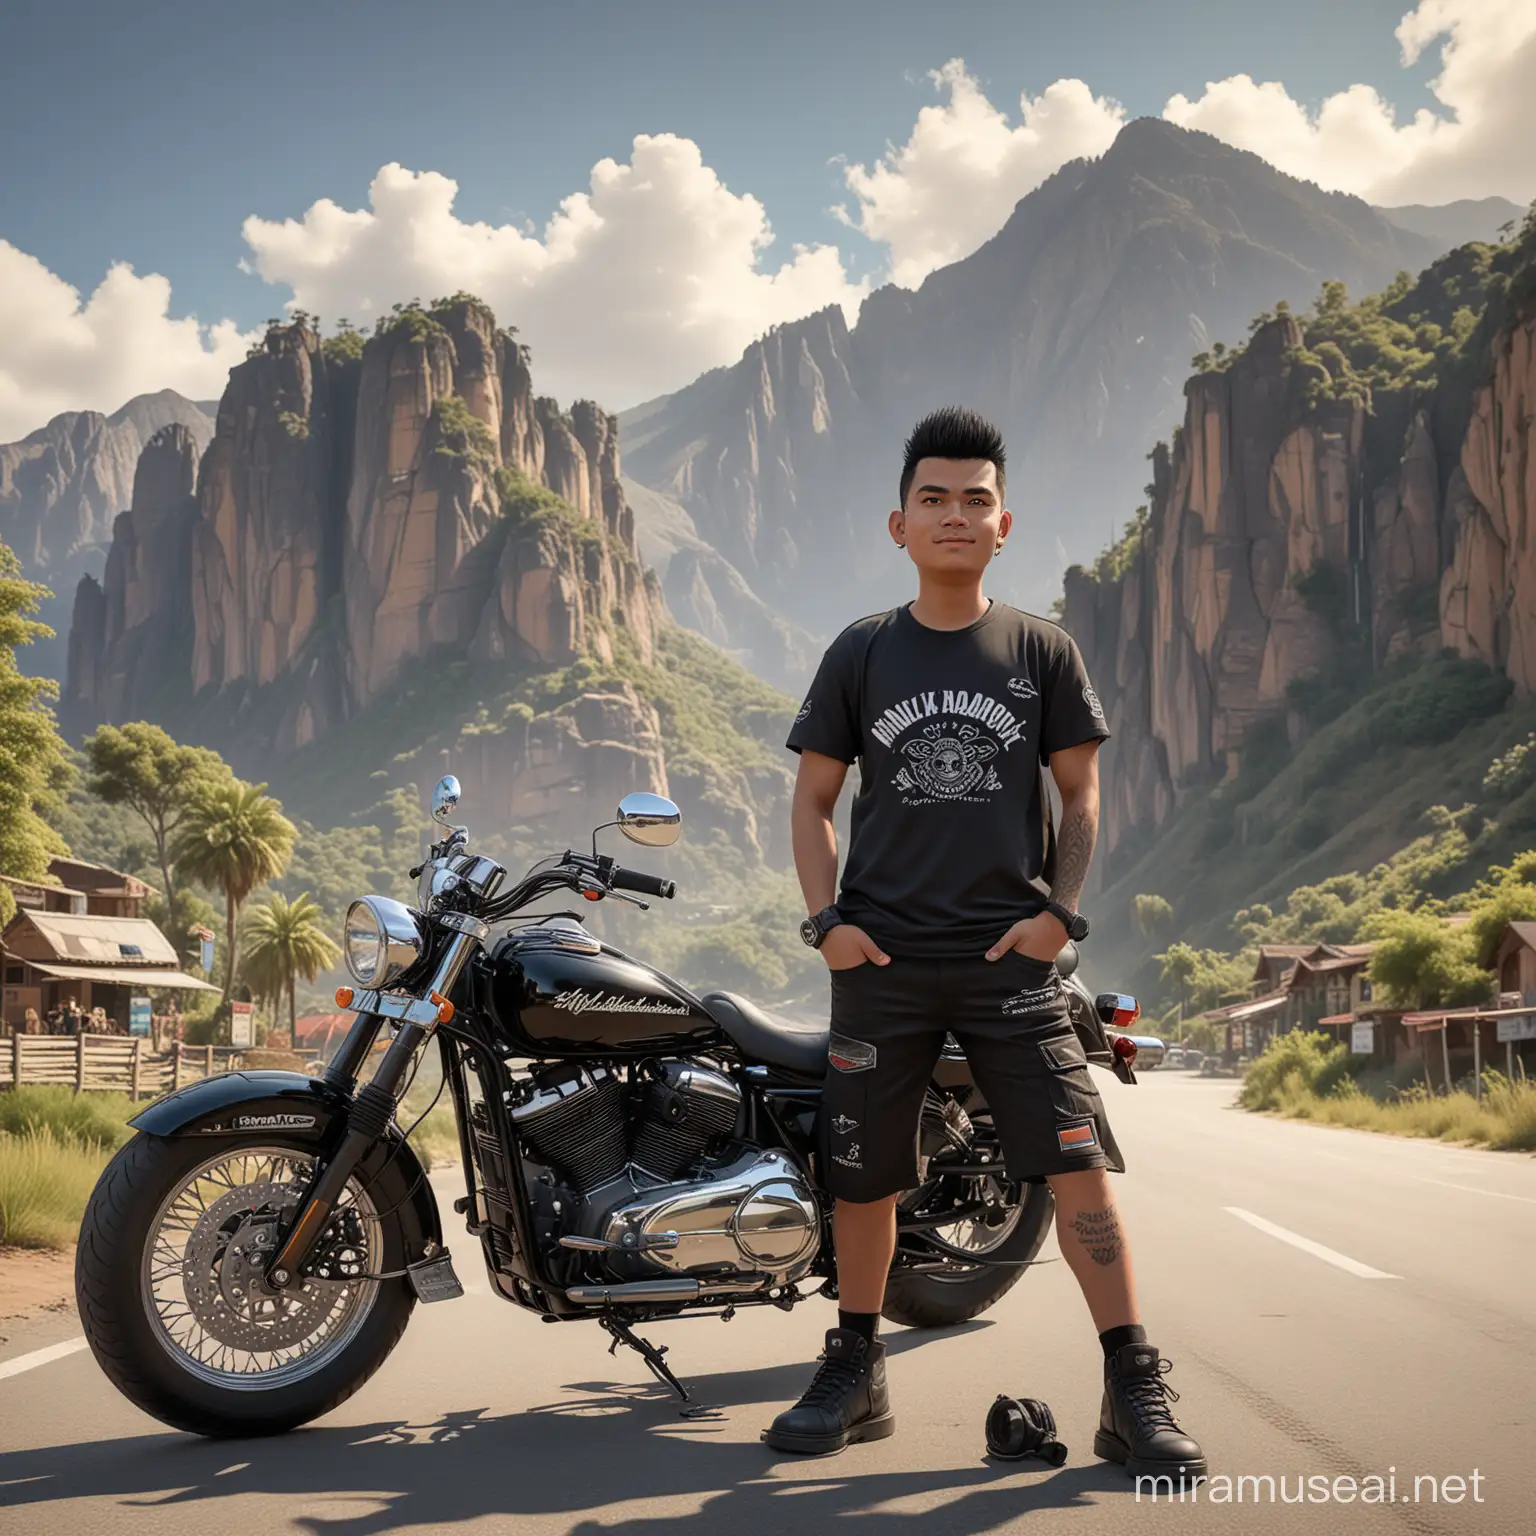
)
(1399, 1344)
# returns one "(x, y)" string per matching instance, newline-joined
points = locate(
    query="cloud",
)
(952, 185)
(1478, 146)
(634, 287)
(59, 353)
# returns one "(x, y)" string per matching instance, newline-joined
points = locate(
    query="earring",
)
(999, 549)
(900, 545)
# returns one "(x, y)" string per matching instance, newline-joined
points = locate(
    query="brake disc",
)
(223, 1273)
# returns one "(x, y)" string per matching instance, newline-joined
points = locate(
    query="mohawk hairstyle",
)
(955, 432)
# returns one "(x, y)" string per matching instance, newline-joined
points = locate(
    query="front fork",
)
(375, 1103)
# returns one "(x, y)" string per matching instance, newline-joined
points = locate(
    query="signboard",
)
(1362, 1038)
(138, 1015)
(1523, 1028)
(242, 1023)
(205, 950)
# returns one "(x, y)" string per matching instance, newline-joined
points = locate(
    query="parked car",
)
(1193, 1059)
(1174, 1057)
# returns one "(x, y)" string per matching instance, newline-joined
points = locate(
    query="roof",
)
(1247, 1010)
(1338, 1018)
(1329, 963)
(1525, 932)
(155, 977)
(86, 939)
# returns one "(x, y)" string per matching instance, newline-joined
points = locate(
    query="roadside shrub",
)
(1303, 1062)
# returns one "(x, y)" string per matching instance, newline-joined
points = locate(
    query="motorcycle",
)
(631, 1152)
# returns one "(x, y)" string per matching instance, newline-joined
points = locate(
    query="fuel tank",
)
(556, 991)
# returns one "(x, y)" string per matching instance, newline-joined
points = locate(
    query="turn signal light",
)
(444, 1008)
(1124, 1048)
(344, 996)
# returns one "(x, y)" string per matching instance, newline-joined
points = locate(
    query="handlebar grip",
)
(647, 885)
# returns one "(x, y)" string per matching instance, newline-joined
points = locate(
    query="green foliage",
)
(408, 322)
(1203, 978)
(140, 767)
(1154, 915)
(282, 941)
(461, 434)
(232, 838)
(295, 425)
(1115, 561)
(1511, 771)
(34, 770)
(1303, 1059)
(526, 505)
(345, 345)
(1422, 962)
(85, 1119)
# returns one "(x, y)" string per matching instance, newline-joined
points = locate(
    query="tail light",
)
(1124, 1048)
(1117, 1010)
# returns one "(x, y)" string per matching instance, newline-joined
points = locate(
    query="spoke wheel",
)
(203, 1274)
(981, 1235)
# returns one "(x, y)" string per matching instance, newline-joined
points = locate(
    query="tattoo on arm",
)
(1099, 1233)
(1074, 852)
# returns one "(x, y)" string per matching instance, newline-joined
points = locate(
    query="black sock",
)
(863, 1323)
(1127, 1333)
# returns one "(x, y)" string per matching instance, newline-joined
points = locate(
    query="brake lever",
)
(644, 906)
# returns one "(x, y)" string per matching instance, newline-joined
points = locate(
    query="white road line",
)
(1472, 1189)
(40, 1357)
(1317, 1250)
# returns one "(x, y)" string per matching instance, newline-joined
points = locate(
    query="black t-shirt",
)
(949, 729)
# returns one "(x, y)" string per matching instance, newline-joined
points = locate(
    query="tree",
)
(284, 940)
(33, 766)
(1153, 915)
(140, 766)
(1420, 961)
(233, 837)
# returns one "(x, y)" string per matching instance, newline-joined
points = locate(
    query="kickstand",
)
(622, 1333)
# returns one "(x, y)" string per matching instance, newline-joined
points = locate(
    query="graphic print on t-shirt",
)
(946, 756)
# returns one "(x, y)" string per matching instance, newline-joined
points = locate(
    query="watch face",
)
(808, 932)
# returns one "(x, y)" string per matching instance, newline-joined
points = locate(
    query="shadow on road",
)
(614, 1444)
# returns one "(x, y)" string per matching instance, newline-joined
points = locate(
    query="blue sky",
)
(147, 134)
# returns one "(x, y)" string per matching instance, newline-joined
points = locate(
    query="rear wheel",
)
(169, 1279)
(1004, 1228)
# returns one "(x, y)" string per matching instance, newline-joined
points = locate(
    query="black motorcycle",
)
(631, 1152)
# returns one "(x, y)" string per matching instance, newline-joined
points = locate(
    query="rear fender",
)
(240, 1105)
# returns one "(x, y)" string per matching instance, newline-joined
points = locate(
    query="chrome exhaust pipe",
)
(684, 1288)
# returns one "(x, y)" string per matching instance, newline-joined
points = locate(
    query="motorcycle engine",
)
(655, 1175)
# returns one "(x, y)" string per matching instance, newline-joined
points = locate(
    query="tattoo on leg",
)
(1099, 1233)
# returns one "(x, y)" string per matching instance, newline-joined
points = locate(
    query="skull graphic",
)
(948, 761)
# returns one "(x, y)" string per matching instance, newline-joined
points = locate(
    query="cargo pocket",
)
(1073, 1096)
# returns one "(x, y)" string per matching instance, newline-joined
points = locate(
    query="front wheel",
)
(169, 1280)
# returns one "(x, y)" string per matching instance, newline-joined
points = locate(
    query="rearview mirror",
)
(650, 819)
(445, 798)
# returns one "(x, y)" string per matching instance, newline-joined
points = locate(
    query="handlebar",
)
(647, 885)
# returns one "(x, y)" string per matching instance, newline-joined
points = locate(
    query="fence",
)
(95, 1063)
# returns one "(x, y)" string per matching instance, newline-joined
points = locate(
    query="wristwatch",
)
(1074, 922)
(814, 929)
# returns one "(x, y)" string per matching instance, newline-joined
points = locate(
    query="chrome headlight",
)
(381, 940)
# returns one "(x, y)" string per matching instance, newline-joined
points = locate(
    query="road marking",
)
(1472, 1189)
(1317, 1250)
(40, 1357)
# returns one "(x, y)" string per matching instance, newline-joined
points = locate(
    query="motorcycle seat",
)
(763, 1037)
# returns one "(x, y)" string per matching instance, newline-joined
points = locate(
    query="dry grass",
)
(1505, 1120)
(45, 1181)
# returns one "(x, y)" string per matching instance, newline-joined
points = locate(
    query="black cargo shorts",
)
(1009, 1016)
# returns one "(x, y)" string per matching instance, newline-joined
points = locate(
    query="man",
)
(949, 704)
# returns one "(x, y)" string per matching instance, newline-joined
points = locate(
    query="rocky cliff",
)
(358, 506)
(1073, 327)
(396, 550)
(1302, 526)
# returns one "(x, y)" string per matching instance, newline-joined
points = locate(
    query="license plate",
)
(434, 1279)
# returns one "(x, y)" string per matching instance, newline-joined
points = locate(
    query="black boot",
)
(847, 1401)
(1135, 1426)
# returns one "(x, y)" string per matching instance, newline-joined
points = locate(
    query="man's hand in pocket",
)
(847, 946)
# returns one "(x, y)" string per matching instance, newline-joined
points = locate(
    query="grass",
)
(45, 1181)
(84, 1119)
(1306, 1076)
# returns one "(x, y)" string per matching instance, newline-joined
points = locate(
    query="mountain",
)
(394, 554)
(1325, 621)
(1458, 223)
(62, 485)
(1073, 327)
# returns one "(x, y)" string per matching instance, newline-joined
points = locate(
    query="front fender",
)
(246, 1104)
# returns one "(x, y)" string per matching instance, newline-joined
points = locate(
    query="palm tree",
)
(233, 838)
(282, 941)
